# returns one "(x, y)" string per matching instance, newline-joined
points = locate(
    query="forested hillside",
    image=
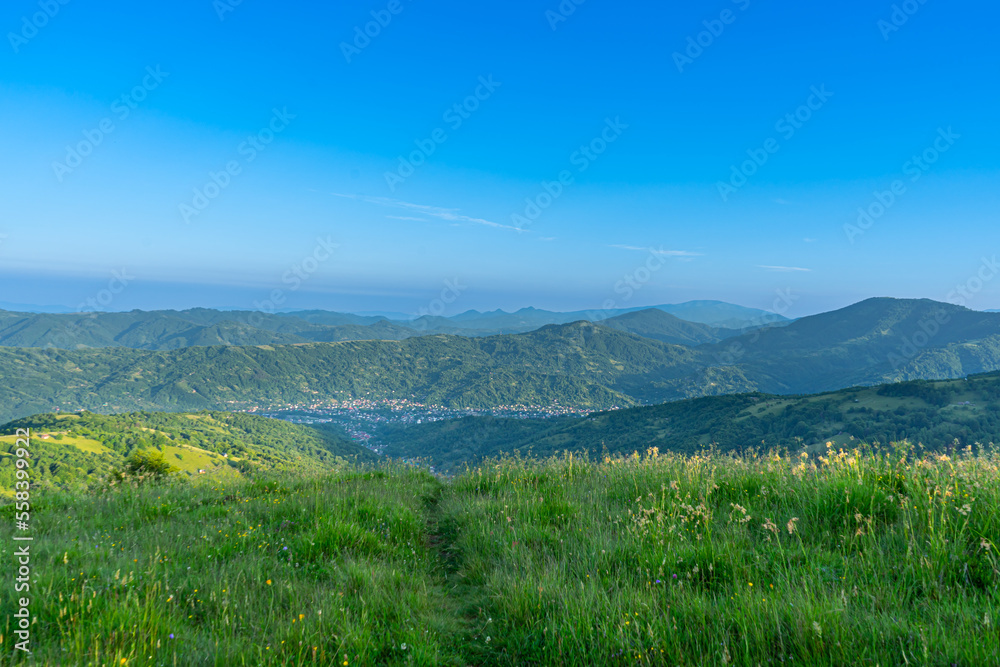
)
(934, 415)
(580, 365)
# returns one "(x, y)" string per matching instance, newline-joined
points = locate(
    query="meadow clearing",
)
(844, 558)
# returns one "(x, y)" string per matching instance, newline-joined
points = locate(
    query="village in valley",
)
(361, 417)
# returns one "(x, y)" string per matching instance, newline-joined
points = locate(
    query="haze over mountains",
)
(637, 358)
(169, 329)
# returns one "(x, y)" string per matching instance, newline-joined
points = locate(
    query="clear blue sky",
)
(888, 91)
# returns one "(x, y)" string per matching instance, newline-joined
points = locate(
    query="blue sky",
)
(247, 139)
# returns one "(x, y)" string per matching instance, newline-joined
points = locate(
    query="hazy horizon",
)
(153, 297)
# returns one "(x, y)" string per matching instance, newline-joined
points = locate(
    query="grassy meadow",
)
(843, 558)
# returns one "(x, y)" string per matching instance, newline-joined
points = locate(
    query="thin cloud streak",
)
(449, 214)
(659, 251)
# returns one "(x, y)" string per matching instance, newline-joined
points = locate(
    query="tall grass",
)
(851, 558)
(331, 570)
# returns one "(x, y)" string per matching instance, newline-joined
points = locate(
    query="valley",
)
(581, 366)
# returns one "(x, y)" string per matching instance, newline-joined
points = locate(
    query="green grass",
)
(862, 560)
(83, 444)
(83, 450)
(318, 571)
(190, 461)
(852, 558)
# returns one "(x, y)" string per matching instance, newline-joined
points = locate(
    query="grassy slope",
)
(289, 572)
(83, 448)
(654, 560)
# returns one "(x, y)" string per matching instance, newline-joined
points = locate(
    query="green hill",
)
(871, 342)
(577, 364)
(664, 327)
(72, 450)
(722, 314)
(711, 313)
(171, 330)
(935, 414)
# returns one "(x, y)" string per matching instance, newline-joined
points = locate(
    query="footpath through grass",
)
(852, 559)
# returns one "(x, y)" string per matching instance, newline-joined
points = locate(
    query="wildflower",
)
(268, 582)
(171, 635)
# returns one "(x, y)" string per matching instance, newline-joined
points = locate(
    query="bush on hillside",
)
(144, 465)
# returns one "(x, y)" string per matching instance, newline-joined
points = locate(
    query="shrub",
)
(144, 465)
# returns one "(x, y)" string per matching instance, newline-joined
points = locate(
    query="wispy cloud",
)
(782, 268)
(809, 240)
(407, 217)
(659, 251)
(449, 214)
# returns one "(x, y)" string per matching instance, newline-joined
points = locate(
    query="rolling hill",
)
(170, 330)
(713, 313)
(71, 450)
(722, 314)
(664, 327)
(578, 364)
(875, 341)
(934, 414)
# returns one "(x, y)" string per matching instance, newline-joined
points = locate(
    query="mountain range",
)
(640, 358)
(171, 329)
